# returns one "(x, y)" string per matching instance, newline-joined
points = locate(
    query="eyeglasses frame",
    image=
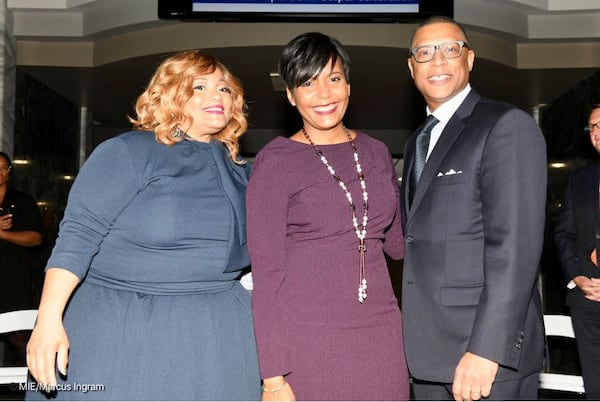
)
(461, 43)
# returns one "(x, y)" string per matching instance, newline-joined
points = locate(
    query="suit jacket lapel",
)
(409, 157)
(593, 199)
(452, 130)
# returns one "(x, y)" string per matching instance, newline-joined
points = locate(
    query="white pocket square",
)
(449, 173)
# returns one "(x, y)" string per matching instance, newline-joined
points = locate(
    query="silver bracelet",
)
(277, 388)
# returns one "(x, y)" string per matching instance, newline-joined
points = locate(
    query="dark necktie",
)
(421, 147)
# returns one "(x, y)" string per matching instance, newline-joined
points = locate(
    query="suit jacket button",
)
(409, 239)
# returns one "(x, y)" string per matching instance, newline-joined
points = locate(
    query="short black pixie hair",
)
(306, 56)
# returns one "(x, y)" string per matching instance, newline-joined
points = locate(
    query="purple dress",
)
(305, 266)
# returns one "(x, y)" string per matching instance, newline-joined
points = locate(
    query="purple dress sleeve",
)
(266, 223)
(393, 244)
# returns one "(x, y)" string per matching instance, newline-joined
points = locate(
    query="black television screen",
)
(304, 10)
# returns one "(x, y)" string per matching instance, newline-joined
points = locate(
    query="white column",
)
(7, 80)
(85, 122)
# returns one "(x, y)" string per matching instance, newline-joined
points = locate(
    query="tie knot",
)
(430, 122)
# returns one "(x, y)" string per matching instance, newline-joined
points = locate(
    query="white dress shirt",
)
(443, 114)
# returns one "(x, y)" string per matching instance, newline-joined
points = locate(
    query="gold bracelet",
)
(277, 388)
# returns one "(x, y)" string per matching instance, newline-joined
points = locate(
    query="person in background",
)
(474, 227)
(148, 255)
(323, 207)
(20, 232)
(576, 238)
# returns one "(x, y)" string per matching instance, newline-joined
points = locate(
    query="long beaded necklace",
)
(360, 230)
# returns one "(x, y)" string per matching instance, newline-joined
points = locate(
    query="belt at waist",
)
(160, 288)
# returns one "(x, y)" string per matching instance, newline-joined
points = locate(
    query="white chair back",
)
(20, 320)
(560, 325)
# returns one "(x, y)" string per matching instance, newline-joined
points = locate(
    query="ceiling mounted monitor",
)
(304, 10)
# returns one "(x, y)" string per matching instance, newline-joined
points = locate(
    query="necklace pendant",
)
(362, 291)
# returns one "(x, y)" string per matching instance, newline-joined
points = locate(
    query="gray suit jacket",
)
(474, 236)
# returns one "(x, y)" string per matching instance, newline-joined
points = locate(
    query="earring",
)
(177, 133)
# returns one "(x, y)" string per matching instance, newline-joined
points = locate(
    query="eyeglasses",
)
(5, 168)
(592, 127)
(449, 50)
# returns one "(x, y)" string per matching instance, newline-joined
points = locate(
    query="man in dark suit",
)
(474, 228)
(576, 236)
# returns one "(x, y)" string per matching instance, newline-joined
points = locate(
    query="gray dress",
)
(157, 235)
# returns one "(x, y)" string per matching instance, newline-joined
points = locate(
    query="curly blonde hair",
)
(160, 107)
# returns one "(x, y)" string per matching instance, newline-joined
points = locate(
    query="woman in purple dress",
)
(323, 208)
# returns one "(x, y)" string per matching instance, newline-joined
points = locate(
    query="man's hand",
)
(473, 378)
(589, 286)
